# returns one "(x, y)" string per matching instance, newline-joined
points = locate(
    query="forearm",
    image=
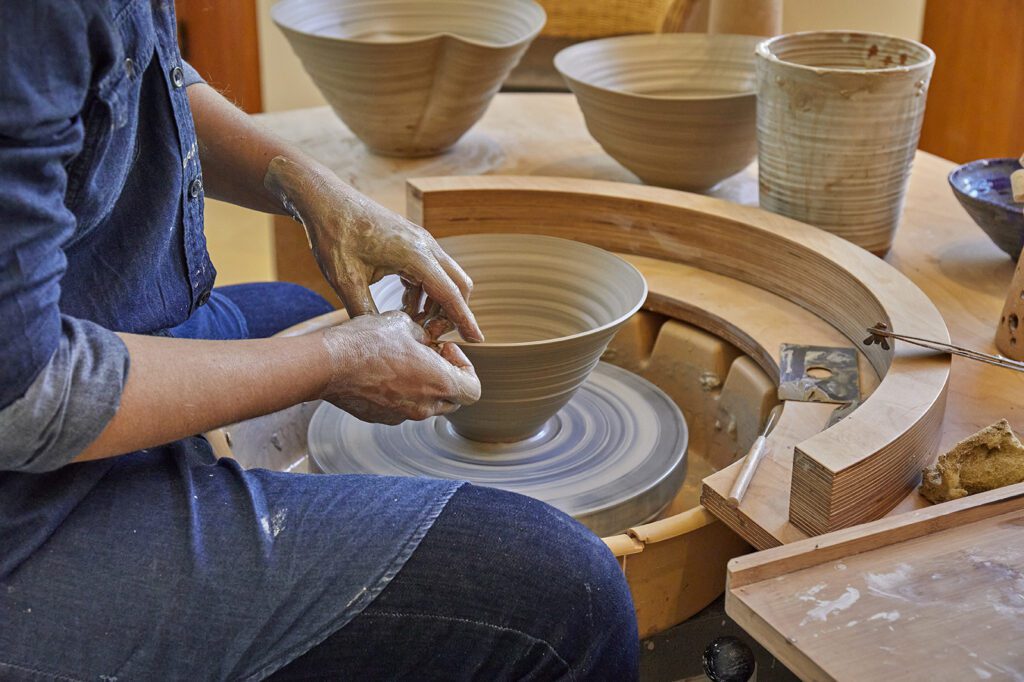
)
(235, 152)
(179, 387)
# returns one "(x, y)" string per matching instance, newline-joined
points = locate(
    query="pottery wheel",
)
(613, 457)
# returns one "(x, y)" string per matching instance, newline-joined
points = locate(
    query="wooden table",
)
(937, 246)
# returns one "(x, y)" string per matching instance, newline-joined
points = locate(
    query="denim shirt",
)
(101, 212)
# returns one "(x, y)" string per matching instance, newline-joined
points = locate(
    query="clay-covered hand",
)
(357, 241)
(386, 370)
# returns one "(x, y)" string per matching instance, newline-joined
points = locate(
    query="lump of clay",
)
(989, 459)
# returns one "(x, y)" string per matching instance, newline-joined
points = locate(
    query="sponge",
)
(989, 459)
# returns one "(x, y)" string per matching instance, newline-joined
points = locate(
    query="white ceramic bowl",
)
(548, 308)
(677, 109)
(409, 77)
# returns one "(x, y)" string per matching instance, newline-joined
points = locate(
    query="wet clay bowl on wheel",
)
(548, 308)
(983, 189)
(409, 77)
(679, 110)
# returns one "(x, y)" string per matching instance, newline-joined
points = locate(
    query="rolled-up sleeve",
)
(60, 378)
(191, 75)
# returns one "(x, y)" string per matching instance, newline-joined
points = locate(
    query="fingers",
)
(455, 271)
(411, 298)
(440, 287)
(357, 299)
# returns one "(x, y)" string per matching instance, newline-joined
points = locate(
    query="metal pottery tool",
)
(754, 457)
(817, 374)
(880, 334)
(820, 374)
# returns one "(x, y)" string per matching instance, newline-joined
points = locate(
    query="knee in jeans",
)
(588, 601)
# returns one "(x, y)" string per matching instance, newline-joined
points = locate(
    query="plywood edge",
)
(841, 283)
(834, 546)
(824, 500)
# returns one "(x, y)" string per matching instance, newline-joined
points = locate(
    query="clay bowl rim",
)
(642, 38)
(1014, 207)
(534, 31)
(629, 268)
(763, 50)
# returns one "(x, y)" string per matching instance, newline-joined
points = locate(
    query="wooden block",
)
(747, 398)
(631, 346)
(691, 366)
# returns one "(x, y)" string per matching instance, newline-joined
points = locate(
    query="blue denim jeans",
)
(170, 564)
(251, 311)
(503, 587)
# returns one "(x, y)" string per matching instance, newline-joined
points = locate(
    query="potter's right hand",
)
(385, 370)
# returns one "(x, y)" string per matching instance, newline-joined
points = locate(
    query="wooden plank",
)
(881, 447)
(936, 592)
(220, 40)
(969, 114)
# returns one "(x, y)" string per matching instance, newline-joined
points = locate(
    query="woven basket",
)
(582, 19)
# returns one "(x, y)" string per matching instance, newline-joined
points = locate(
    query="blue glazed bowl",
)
(983, 188)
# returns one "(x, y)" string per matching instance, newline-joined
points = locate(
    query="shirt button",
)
(196, 187)
(203, 298)
(129, 66)
(177, 76)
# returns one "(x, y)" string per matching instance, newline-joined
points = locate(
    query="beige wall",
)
(903, 18)
(285, 83)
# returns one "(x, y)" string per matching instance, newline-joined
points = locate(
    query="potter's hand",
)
(357, 241)
(387, 371)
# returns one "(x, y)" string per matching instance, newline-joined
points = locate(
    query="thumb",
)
(357, 299)
(466, 381)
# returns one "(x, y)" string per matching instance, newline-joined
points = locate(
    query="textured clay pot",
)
(548, 308)
(409, 77)
(676, 109)
(838, 119)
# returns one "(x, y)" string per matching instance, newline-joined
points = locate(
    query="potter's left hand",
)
(357, 241)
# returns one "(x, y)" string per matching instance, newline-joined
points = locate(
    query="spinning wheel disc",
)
(613, 457)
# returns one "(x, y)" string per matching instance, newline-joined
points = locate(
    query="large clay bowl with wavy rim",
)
(409, 77)
(678, 110)
(983, 188)
(548, 308)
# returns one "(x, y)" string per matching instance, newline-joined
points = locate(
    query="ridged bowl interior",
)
(983, 188)
(548, 308)
(676, 109)
(409, 77)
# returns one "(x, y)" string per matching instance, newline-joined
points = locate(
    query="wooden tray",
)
(933, 594)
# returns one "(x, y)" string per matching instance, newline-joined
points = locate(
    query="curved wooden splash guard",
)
(855, 471)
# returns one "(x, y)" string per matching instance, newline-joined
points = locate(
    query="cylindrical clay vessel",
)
(838, 119)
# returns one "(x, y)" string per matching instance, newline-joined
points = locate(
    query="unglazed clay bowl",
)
(983, 189)
(548, 308)
(409, 77)
(677, 109)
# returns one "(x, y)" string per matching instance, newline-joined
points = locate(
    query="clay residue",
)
(991, 458)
